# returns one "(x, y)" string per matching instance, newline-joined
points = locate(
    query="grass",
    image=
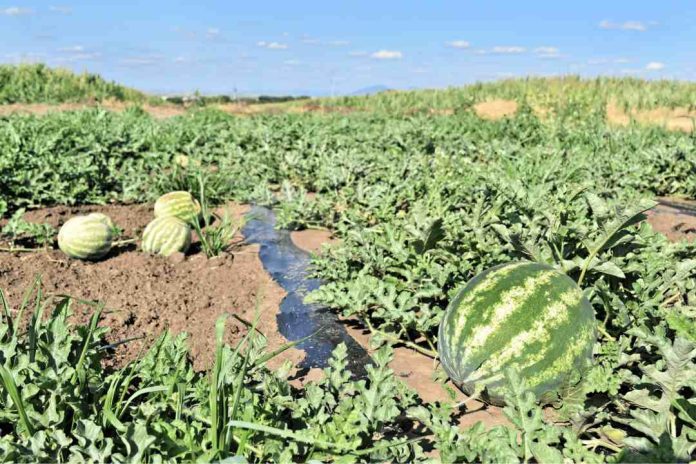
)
(562, 94)
(37, 83)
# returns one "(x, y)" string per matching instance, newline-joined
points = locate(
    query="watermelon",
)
(86, 237)
(178, 204)
(524, 315)
(166, 235)
(103, 218)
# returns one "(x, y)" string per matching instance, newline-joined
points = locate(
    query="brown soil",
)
(312, 240)
(681, 119)
(495, 109)
(169, 110)
(159, 111)
(673, 222)
(144, 295)
(419, 373)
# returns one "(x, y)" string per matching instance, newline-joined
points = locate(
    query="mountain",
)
(371, 90)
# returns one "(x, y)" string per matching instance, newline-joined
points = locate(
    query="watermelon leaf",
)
(612, 233)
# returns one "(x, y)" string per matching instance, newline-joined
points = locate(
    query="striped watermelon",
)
(103, 218)
(86, 237)
(179, 204)
(166, 235)
(523, 315)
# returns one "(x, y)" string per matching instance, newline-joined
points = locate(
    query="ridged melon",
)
(103, 218)
(178, 204)
(524, 315)
(166, 235)
(86, 237)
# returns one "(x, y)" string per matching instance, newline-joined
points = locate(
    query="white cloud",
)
(458, 44)
(292, 62)
(420, 70)
(309, 40)
(547, 52)
(509, 50)
(77, 57)
(272, 45)
(212, 32)
(180, 59)
(147, 60)
(60, 9)
(622, 60)
(74, 48)
(625, 26)
(339, 43)
(655, 66)
(16, 11)
(387, 55)
(357, 53)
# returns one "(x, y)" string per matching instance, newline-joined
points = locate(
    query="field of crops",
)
(421, 203)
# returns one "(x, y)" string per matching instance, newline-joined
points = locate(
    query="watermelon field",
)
(420, 195)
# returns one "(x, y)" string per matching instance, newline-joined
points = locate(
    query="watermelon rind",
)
(86, 237)
(166, 235)
(179, 204)
(526, 316)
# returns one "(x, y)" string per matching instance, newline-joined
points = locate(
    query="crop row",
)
(422, 204)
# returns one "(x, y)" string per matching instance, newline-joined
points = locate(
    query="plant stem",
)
(603, 331)
(20, 250)
(124, 242)
(390, 337)
(597, 442)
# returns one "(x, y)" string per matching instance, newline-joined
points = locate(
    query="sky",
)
(337, 47)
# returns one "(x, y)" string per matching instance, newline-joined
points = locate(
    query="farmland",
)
(422, 195)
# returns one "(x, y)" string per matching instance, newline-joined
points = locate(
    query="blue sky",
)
(337, 47)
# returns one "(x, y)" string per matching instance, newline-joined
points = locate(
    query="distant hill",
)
(371, 90)
(38, 83)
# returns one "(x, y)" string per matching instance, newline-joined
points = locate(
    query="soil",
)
(681, 119)
(495, 109)
(144, 294)
(419, 372)
(676, 224)
(312, 240)
(157, 111)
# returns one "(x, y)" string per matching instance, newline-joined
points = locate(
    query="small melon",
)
(178, 204)
(166, 235)
(86, 237)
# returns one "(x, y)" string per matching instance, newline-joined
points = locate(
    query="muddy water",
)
(288, 265)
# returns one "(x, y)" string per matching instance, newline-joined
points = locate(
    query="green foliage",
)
(37, 83)
(58, 402)
(571, 98)
(216, 231)
(531, 437)
(422, 203)
(18, 230)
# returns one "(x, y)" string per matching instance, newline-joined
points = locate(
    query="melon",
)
(178, 204)
(166, 235)
(525, 316)
(86, 237)
(103, 218)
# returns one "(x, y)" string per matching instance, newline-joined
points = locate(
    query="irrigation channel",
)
(288, 265)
